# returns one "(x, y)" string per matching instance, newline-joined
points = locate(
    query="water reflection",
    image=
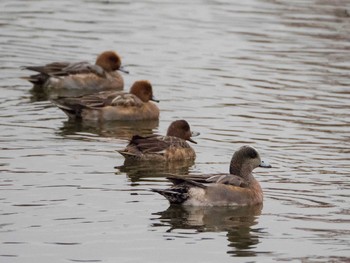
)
(136, 170)
(266, 72)
(237, 222)
(116, 129)
(38, 93)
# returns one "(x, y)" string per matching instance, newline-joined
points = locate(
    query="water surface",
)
(273, 74)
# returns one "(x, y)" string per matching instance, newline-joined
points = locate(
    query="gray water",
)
(270, 73)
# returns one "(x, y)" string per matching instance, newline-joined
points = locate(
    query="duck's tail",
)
(37, 79)
(128, 155)
(73, 111)
(179, 192)
(172, 195)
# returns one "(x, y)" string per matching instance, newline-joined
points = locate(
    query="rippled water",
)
(271, 73)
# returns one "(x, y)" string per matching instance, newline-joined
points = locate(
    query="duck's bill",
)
(193, 134)
(154, 99)
(265, 164)
(190, 140)
(122, 69)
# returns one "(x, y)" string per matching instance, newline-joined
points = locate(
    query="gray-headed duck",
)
(80, 75)
(238, 188)
(172, 147)
(113, 106)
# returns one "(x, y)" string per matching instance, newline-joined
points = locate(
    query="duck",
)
(237, 188)
(82, 75)
(104, 106)
(171, 147)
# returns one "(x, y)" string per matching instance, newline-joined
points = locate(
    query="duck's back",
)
(87, 81)
(157, 147)
(80, 75)
(146, 111)
(195, 192)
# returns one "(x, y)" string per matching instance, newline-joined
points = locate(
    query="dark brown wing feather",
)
(182, 181)
(229, 179)
(178, 193)
(150, 144)
(57, 69)
(97, 100)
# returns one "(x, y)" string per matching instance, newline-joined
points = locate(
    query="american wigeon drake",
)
(238, 188)
(113, 106)
(80, 75)
(172, 147)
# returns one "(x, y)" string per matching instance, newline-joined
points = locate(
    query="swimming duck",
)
(113, 106)
(238, 188)
(80, 75)
(172, 147)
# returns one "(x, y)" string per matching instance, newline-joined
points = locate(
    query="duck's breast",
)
(175, 153)
(229, 195)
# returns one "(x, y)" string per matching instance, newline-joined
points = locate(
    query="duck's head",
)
(109, 61)
(245, 160)
(143, 90)
(181, 129)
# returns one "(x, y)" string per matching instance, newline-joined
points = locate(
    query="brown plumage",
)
(239, 188)
(171, 147)
(109, 106)
(80, 75)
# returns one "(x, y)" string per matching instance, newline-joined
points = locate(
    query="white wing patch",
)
(126, 100)
(196, 197)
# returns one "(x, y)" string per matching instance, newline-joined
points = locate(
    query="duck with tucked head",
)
(238, 188)
(113, 106)
(102, 75)
(172, 147)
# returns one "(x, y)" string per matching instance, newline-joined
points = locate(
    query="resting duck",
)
(238, 188)
(172, 147)
(80, 75)
(113, 106)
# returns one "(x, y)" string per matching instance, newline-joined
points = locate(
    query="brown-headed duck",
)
(238, 188)
(113, 106)
(172, 147)
(80, 75)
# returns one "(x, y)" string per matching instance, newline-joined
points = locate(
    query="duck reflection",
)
(38, 93)
(238, 222)
(114, 129)
(136, 170)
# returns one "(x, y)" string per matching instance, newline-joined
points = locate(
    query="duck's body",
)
(172, 147)
(80, 75)
(239, 188)
(190, 192)
(86, 81)
(113, 106)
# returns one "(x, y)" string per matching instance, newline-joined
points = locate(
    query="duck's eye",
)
(185, 127)
(112, 59)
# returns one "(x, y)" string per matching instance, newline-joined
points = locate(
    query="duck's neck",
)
(243, 172)
(235, 170)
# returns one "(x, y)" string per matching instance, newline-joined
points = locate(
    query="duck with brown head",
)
(113, 106)
(172, 147)
(238, 188)
(83, 76)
